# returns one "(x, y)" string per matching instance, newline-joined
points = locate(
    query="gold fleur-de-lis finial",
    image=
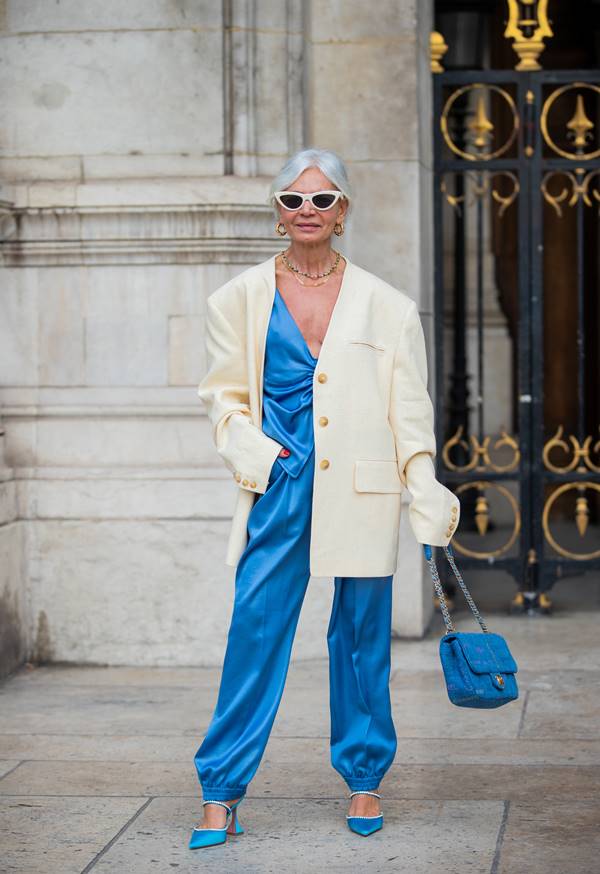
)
(580, 125)
(481, 126)
(582, 513)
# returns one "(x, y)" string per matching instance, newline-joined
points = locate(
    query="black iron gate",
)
(517, 320)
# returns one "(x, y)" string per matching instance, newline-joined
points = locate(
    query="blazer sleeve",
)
(247, 451)
(411, 409)
(434, 510)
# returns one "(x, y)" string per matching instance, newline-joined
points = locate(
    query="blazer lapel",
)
(260, 302)
(340, 311)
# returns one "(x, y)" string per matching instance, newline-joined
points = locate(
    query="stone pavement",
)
(97, 764)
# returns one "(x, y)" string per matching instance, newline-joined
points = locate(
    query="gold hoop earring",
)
(283, 232)
(341, 229)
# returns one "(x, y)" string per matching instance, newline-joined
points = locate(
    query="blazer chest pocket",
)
(367, 344)
(377, 475)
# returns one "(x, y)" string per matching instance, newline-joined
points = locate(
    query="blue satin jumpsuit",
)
(270, 583)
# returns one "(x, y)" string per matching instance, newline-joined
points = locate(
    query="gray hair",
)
(328, 163)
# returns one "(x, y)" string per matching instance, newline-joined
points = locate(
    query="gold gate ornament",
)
(528, 31)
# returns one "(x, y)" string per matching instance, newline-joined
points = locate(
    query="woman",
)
(317, 395)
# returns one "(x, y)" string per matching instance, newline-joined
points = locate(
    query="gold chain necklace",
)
(316, 285)
(296, 270)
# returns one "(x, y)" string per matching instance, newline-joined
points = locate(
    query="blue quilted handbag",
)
(478, 667)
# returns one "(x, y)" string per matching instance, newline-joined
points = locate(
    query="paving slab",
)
(59, 835)
(104, 709)
(104, 779)
(7, 765)
(92, 747)
(554, 837)
(562, 713)
(90, 676)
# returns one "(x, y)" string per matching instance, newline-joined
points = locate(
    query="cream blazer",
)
(372, 414)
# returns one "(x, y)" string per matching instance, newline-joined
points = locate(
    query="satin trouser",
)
(271, 580)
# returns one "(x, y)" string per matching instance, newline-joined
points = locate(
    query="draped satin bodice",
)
(288, 388)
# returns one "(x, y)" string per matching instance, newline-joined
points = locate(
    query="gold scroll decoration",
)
(581, 453)
(580, 188)
(480, 457)
(481, 187)
(480, 128)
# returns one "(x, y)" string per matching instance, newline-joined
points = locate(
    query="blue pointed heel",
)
(211, 837)
(365, 825)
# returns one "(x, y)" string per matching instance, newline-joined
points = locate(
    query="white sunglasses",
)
(294, 200)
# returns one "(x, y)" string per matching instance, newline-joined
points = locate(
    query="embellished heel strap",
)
(365, 792)
(221, 803)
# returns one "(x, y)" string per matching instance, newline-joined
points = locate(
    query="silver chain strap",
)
(440, 592)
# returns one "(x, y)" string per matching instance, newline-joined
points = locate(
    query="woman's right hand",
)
(277, 468)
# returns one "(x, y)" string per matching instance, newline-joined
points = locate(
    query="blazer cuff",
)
(434, 511)
(249, 453)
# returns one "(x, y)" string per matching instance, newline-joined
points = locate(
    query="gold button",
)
(238, 476)
(324, 464)
(252, 485)
(448, 534)
(244, 482)
(323, 420)
(322, 377)
(454, 511)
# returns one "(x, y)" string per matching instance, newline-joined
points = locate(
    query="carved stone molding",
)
(151, 234)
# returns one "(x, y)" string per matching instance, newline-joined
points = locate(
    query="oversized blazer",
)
(372, 414)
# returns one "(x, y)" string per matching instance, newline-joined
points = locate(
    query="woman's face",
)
(310, 225)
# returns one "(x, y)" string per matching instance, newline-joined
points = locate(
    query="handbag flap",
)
(485, 651)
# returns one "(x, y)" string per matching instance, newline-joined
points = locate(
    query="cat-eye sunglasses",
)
(294, 200)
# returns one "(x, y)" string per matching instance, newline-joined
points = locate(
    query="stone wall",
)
(138, 147)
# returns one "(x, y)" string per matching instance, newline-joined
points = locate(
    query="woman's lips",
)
(307, 227)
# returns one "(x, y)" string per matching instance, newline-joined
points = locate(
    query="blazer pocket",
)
(377, 475)
(369, 344)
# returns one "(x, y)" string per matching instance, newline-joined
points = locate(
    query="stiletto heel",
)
(365, 825)
(211, 837)
(235, 826)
